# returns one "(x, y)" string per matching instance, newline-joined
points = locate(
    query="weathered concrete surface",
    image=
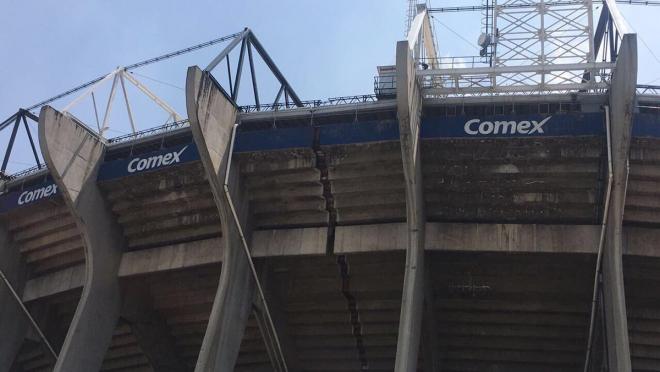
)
(289, 242)
(212, 117)
(484, 237)
(57, 282)
(171, 257)
(622, 103)
(409, 109)
(13, 323)
(73, 154)
(164, 207)
(150, 329)
(367, 182)
(512, 238)
(370, 238)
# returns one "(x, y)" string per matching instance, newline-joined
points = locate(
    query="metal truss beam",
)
(511, 89)
(20, 116)
(119, 76)
(478, 8)
(136, 65)
(249, 41)
(517, 69)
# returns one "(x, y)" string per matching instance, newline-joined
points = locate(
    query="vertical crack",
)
(356, 324)
(322, 166)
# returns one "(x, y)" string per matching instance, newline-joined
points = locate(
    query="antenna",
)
(412, 12)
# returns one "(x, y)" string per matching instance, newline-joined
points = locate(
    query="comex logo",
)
(476, 126)
(34, 195)
(140, 164)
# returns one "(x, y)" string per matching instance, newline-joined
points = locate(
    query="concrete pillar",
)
(73, 154)
(622, 103)
(13, 323)
(212, 116)
(409, 106)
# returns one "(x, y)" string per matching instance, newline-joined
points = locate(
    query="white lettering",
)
(34, 195)
(139, 164)
(538, 126)
(467, 128)
(502, 126)
(476, 126)
(523, 127)
(486, 127)
(131, 167)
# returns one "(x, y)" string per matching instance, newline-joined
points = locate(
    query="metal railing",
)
(150, 132)
(26, 172)
(650, 90)
(362, 98)
(385, 86)
(453, 62)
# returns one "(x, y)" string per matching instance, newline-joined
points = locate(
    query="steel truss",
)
(248, 41)
(119, 77)
(540, 47)
(648, 90)
(21, 116)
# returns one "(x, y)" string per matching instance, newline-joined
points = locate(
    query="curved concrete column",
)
(13, 323)
(73, 154)
(212, 117)
(622, 104)
(409, 108)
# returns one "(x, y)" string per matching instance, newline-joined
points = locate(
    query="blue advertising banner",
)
(361, 132)
(148, 162)
(531, 125)
(274, 139)
(22, 198)
(646, 125)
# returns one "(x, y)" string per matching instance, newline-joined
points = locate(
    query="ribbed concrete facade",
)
(398, 235)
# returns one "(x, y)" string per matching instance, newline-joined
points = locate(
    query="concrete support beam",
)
(409, 109)
(212, 117)
(512, 238)
(13, 323)
(73, 154)
(621, 106)
(56, 282)
(171, 257)
(289, 242)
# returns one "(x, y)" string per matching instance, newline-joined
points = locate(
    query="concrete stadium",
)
(438, 225)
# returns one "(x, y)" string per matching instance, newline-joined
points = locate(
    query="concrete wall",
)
(73, 154)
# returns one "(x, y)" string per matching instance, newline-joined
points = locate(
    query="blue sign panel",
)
(148, 162)
(531, 125)
(274, 139)
(646, 125)
(360, 132)
(22, 198)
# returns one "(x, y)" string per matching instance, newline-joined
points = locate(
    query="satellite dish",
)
(484, 40)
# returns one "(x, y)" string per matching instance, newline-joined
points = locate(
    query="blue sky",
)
(324, 48)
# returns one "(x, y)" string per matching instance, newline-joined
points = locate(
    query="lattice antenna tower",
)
(542, 33)
(413, 9)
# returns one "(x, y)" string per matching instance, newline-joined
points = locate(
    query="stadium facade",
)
(444, 224)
